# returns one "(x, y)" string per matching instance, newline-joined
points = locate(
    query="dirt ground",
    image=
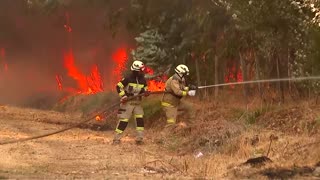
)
(83, 153)
(78, 153)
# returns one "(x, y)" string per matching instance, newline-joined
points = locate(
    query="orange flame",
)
(88, 84)
(93, 83)
(155, 85)
(120, 58)
(73, 70)
(94, 80)
(98, 118)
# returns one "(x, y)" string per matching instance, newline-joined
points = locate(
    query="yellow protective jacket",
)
(175, 89)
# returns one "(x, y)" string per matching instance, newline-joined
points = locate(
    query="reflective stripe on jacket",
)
(176, 88)
(132, 85)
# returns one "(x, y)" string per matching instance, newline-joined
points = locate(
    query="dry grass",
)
(29, 114)
(227, 163)
(220, 132)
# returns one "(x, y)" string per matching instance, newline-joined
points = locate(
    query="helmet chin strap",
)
(180, 75)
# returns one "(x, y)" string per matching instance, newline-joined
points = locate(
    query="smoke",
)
(35, 45)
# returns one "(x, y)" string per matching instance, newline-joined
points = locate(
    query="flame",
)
(73, 70)
(91, 84)
(94, 80)
(157, 84)
(120, 58)
(234, 74)
(59, 82)
(98, 118)
(148, 70)
(67, 26)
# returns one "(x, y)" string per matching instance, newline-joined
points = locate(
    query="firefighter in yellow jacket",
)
(129, 86)
(176, 89)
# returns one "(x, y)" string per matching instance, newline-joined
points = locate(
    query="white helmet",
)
(137, 66)
(182, 70)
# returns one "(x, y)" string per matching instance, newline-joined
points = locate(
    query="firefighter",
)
(176, 89)
(129, 86)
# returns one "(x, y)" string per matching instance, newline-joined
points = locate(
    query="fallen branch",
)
(166, 166)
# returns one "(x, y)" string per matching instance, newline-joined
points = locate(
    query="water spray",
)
(262, 81)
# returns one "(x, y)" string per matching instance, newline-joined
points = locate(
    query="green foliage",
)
(152, 109)
(227, 28)
(251, 117)
(170, 32)
(150, 49)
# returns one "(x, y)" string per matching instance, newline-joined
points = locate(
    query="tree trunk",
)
(289, 73)
(258, 74)
(245, 78)
(280, 89)
(216, 75)
(184, 60)
(197, 73)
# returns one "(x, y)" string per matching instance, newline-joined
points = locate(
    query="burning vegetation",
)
(93, 83)
(70, 72)
(87, 84)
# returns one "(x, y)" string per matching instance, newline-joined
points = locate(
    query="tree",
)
(274, 38)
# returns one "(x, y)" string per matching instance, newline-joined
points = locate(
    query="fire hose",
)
(77, 124)
(156, 92)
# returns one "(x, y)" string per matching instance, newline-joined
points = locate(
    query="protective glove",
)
(192, 92)
(124, 99)
(147, 93)
(192, 87)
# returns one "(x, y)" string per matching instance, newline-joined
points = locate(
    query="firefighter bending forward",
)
(176, 89)
(129, 86)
